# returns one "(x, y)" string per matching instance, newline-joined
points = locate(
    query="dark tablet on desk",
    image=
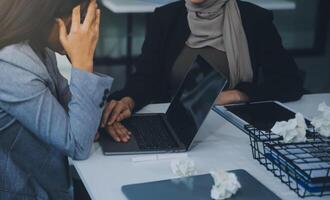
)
(261, 115)
(197, 188)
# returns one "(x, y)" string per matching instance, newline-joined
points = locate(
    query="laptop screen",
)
(194, 99)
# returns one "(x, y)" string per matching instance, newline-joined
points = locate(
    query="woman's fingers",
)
(75, 19)
(123, 132)
(97, 26)
(106, 114)
(82, 39)
(119, 133)
(62, 31)
(97, 22)
(124, 115)
(113, 133)
(91, 15)
(116, 112)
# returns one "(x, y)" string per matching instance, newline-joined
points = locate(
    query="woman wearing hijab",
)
(237, 38)
(43, 119)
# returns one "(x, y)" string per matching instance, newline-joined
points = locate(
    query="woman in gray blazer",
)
(43, 120)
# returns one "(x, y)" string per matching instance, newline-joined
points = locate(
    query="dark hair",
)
(31, 20)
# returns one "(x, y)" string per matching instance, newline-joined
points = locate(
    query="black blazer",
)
(276, 76)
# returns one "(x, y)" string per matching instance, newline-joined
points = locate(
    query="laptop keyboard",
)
(150, 133)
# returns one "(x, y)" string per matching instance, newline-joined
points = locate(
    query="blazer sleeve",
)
(145, 83)
(277, 76)
(64, 90)
(28, 99)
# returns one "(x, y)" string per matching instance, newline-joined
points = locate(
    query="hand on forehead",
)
(83, 12)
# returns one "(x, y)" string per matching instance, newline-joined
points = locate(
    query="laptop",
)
(197, 188)
(175, 130)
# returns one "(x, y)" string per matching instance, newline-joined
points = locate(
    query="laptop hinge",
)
(172, 132)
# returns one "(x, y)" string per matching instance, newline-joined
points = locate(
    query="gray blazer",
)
(42, 121)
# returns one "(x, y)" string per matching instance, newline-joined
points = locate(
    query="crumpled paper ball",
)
(225, 185)
(322, 122)
(183, 168)
(292, 131)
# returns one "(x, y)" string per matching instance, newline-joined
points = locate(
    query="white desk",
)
(147, 6)
(223, 146)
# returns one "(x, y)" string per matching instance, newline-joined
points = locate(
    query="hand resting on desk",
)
(231, 97)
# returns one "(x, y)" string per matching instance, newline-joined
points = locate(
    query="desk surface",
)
(147, 6)
(220, 145)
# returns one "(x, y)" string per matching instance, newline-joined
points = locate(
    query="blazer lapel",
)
(248, 29)
(178, 36)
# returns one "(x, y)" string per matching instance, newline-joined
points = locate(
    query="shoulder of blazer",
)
(23, 57)
(254, 14)
(174, 7)
(173, 23)
(170, 12)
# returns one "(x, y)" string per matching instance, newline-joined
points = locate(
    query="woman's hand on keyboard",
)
(117, 111)
(119, 132)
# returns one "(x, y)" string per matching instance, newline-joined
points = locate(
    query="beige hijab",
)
(218, 24)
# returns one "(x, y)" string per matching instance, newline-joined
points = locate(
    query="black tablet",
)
(261, 115)
(197, 188)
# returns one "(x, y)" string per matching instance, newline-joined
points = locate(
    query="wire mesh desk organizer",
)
(303, 167)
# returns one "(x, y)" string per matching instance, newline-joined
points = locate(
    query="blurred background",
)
(303, 24)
